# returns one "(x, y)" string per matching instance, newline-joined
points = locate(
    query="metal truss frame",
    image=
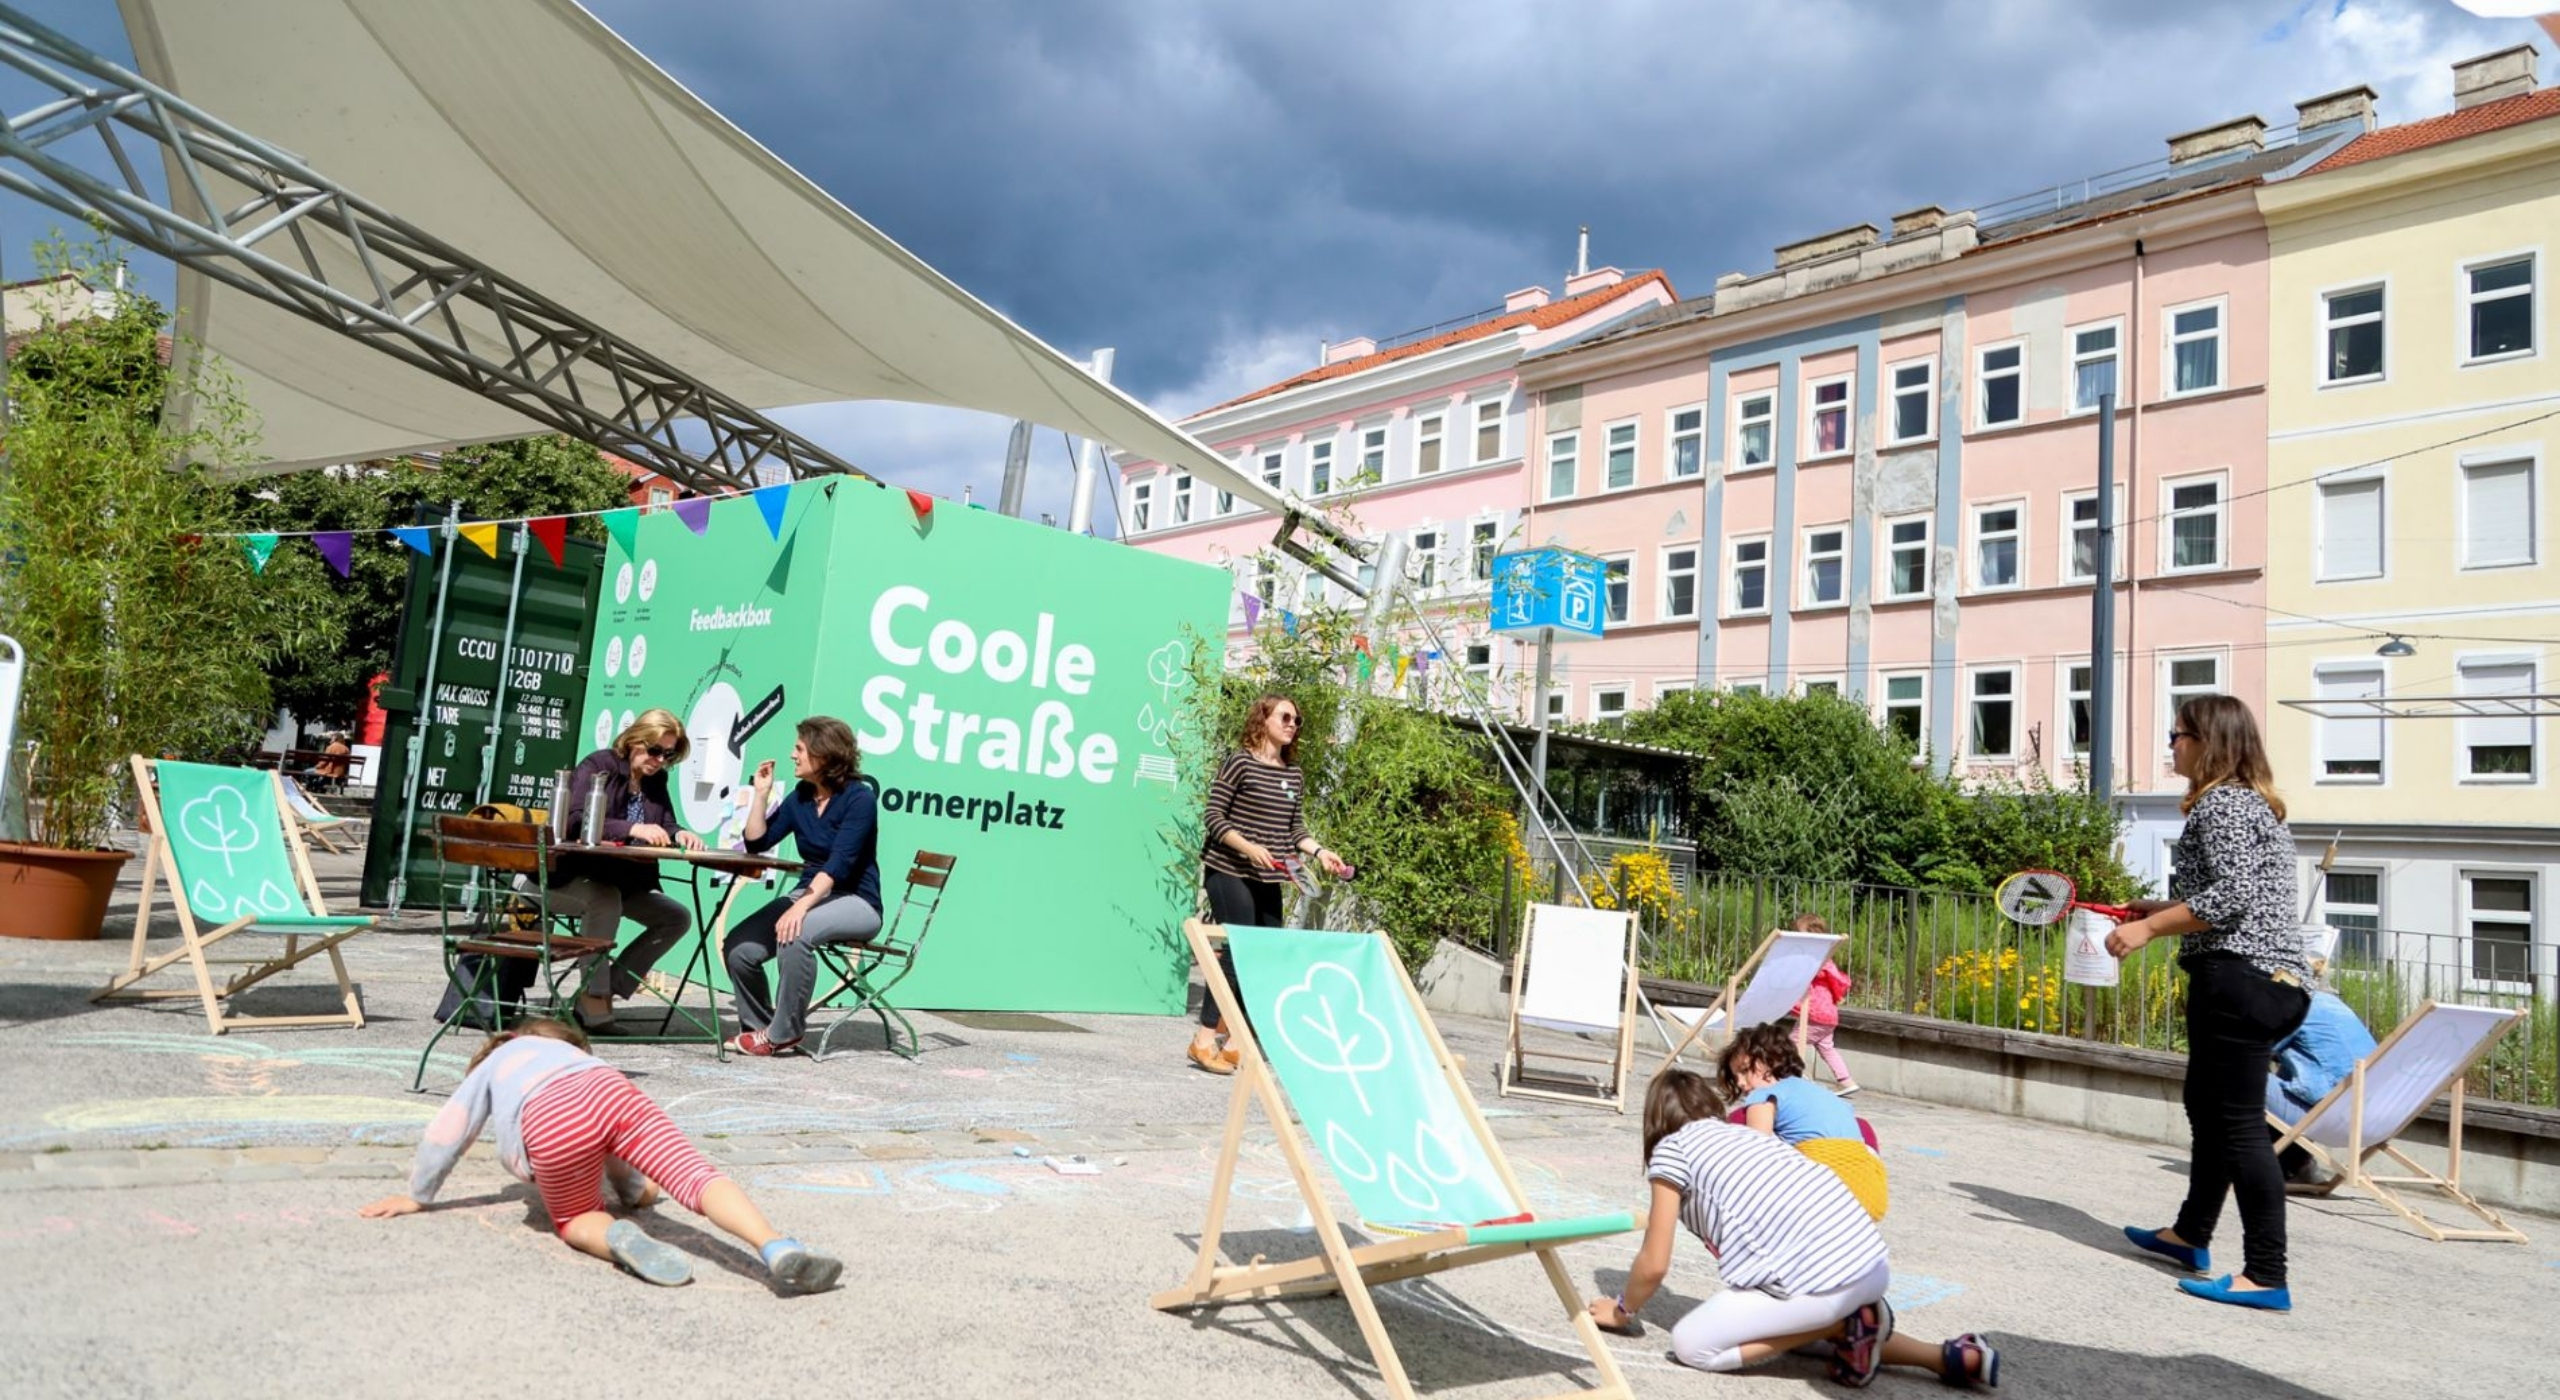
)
(408, 288)
(2533, 705)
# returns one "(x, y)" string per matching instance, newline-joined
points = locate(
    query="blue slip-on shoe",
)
(653, 1261)
(2185, 1256)
(2219, 1290)
(796, 1268)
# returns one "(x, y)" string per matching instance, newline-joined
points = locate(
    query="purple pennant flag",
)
(696, 514)
(1252, 609)
(336, 546)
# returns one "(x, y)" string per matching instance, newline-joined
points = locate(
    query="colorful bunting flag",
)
(416, 537)
(1288, 623)
(1252, 610)
(1360, 642)
(1403, 664)
(779, 579)
(485, 535)
(921, 504)
(1362, 665)
(259, 547)
(336, 546)
(772, 500)
(624, 526)
(696, 514)
(553, 532)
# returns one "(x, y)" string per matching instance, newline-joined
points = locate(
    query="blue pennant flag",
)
(417, 537)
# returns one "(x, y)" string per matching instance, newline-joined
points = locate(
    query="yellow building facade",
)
(2414, 594)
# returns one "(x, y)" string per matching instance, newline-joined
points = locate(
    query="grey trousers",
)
(782, 1015)
(600, 909)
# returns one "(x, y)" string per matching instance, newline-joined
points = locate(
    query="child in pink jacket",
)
(1822, 1007)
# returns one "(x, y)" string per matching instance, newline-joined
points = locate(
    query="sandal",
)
(1859, 1353)
(1982, 1370)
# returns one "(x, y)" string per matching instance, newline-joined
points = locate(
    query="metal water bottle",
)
(561, 797)
(593, 832)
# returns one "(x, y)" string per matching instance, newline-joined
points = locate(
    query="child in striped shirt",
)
(573, 1125)
(1800, 1261)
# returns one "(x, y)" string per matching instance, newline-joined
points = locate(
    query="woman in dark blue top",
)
(836, 820)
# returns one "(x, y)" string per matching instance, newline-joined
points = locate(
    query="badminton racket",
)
(2040, 897)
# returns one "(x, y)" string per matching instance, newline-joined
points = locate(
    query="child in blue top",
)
(1763, 1073)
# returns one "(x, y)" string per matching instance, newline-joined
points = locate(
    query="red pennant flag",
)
(921, 503)
(1360, 643)
(553, 531)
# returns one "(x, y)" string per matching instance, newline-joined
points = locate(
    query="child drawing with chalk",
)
(576, 1128)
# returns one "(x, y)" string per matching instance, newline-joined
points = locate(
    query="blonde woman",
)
(2231, 898)
(599, 892)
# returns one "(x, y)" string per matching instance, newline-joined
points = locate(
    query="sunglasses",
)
(1285, 719)
(2176, 734)
(658, 750)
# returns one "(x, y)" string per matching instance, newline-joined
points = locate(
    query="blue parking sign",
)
(1551, 587)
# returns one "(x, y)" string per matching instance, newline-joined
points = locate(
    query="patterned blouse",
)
(2234, 869)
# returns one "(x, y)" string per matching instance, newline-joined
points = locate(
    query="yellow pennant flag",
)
(1403, 664)
(484, 535)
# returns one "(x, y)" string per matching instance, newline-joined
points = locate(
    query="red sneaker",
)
(754, 1043)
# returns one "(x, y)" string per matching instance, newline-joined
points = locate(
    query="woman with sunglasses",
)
(1255, 814)
(2231, 899)
(601, 892)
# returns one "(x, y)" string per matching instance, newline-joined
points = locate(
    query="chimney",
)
(1823, 245)
(1337, 351)
(2353, 104)
(2492, 76)
(1592, 280)
(1581, 255)
(2245, 133)
(1525, 299)
(1920, 220)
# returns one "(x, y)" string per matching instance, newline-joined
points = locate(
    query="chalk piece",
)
(1022, 1152)
(1119, 1161)
(1927, 1151)
(1021, 1059)
(1074, 1166)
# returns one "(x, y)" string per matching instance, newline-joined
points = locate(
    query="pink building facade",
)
(1426, 439)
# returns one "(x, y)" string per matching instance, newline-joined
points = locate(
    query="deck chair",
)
(510, 954)
(2426, 1055)
(1574, 973)
(1780, 973)
(234, 864)
(318, 822)
(1354, 1054)
(865, 973)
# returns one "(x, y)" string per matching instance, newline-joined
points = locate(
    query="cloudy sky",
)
(1213, 188)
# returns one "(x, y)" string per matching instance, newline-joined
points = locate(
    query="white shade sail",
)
(527, 134)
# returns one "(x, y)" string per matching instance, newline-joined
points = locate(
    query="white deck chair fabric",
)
(1782, 972)
(1577, 969)
(2407, 1073)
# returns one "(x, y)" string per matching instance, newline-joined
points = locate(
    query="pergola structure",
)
(532, 226)
(2523, 705)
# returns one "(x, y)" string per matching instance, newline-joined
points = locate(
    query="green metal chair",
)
(865, 973)
(504, 926)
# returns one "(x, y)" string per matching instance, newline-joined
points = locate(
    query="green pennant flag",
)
(624, 526)
(259, 547)
(779, 580)
(1364, 662)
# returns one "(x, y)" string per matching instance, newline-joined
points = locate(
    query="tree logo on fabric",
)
(1168, 666)
(219, 824)
(1325, 1021)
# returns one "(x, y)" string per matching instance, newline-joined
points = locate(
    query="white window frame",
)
(2171, 695)
(2471, 915)
(1481, 547)
(1611, 449)
(1481, 670)
(1744, 418)
(2065, 692)
(1275, 469)
(2017, 535)
(2325, 729)
(2170, 340)
(1811, 451)
(1680, 686)
(1884, 555)
(2170, 515)
(1832, 682)
(1673, 435)
(2323, 570)
(2468, 301)
(1664, 609)
(2067, 568)
(2324, 326)
(1984, 374)
(1371, 464)
(1747, 685)
(2329, 908)
(1928, 392)
(1266, 581)
(1624, 614)
(1314, 590)
(1624, 690)
(1142, 505)
(1181, 498)
(1572, 440)
(1430, 431)
(1886, 704)
(1732, 592)
(1805, 599)
(1422, 561)
(2531, 458)
(1477, 422)
(2074, 359)
(2465, 728)
(1559, 704)
(1321, 451)
(2015, 700)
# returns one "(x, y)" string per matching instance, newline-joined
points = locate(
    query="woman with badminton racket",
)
(2231, 899)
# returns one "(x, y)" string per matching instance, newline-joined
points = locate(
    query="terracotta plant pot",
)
(53, 893)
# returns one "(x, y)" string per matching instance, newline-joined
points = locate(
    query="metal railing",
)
(1954, 957)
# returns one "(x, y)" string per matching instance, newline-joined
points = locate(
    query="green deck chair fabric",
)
(227, 841)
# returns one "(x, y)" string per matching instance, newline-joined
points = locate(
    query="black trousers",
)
(2235, 1015)
(1236, 900)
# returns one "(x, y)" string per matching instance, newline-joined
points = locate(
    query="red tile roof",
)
(1547, 317)
(2453, 126)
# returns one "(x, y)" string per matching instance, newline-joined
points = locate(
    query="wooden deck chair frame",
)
(321, 833)
(1727, 999)
(1516, 1076)
(1342, 1267)
(159, 862)
(2349, 1098)
(870, 971)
